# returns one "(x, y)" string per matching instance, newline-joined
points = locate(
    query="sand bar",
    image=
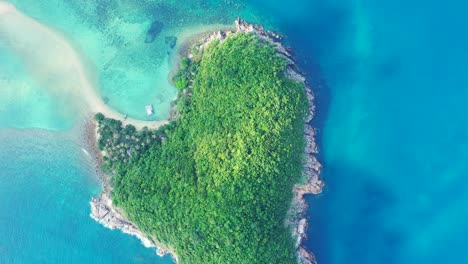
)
(6, 7)
(54, 63)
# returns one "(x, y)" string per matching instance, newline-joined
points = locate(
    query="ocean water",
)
(112, 38)
(390, 81)
(46, 182)
(391, 84)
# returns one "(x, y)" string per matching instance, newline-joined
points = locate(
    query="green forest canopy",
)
(215, 186)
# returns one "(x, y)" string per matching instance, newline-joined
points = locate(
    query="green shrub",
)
(185, 63)
(99, 117)
(181, 83)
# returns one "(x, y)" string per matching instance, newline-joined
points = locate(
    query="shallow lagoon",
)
(46, 180)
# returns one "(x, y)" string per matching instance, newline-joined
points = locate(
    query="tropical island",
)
(224, 180)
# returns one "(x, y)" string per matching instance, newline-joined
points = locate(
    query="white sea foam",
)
(85, 152)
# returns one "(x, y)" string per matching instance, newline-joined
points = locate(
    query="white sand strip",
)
(6, 7)
(54, 63)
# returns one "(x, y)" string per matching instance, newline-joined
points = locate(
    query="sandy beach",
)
(53, 62)
(6, 7)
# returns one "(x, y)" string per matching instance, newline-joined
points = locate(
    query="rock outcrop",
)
(171, 41)
(312, 184)
(102, 208)
(109, 216)
(153, 32)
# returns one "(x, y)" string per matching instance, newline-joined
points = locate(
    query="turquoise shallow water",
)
(111, 36)
(391, 85)
(23, 102)
(46, 182)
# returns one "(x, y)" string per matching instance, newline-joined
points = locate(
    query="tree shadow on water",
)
(348, 223)
(316, 40)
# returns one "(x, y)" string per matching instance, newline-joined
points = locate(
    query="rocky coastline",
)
(311, 182)
(103, 211)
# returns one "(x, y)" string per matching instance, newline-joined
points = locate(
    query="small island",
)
(224, 180)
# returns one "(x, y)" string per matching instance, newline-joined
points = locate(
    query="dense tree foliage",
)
(185, 74)
(216, 186)
(122, 144)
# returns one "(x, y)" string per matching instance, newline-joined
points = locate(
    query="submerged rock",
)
(305, 256)
(153, 32)
(171, 41)
(105, 99)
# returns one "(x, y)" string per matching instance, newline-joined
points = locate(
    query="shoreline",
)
(68, 60)
(103, 211)
(63, 59)
(311, 182)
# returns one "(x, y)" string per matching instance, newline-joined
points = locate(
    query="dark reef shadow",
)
(313, 40)
(352, 216)
(308, 48)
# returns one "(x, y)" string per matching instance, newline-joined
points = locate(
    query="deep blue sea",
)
(391, 86)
